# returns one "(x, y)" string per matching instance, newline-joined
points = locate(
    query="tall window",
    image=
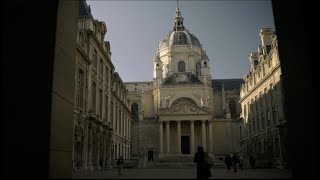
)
(81, 88)
(274, 115)
(106, 108)
(181, 66)
(134, 111)
(198, 69)
(233, 110)
(100, 103)
(116, 119)
(94, 97)
(101, 68)
(111, 115)
(107, 75)
(94, 58)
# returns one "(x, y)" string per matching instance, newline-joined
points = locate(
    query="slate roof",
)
(84, 9)
(229, 84)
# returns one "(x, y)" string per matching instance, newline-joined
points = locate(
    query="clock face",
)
(182, 78)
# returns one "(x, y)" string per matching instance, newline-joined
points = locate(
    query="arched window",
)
(134, 111)
(181, 66)
(198, 69)
(232, 106)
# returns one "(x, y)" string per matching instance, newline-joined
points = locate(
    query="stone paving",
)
(189, 173)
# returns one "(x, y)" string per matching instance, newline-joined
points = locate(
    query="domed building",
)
(183, 107)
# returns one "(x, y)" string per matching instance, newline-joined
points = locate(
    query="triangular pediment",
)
(185, 108)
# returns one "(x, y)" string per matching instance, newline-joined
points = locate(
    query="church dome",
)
(179, 35)
(182, 37)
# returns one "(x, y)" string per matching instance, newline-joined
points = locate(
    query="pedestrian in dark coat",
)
(235, 161)
(252, 161)
(228, 161)
(203, 171)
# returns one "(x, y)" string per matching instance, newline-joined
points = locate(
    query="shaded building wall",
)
(37, 131)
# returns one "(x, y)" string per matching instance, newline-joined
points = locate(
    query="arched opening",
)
(181, 66)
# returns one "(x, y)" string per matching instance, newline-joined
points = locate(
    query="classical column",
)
(179, 136)
(161, 136)
(168, 135)
(129, 155)
(105, 144)
(118, 150)
(192, 136)
(90, 149)
(127, 128)
(203, 124)
(210, 137)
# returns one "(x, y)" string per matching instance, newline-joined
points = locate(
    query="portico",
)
(184, 127)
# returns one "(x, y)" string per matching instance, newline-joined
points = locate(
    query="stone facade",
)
(263, 125)
(102, 119)
(183, 108)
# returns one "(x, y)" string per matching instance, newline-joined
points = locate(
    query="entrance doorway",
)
(150, 155)
(185, 144)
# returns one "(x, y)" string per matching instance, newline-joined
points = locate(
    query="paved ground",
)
(182, 174)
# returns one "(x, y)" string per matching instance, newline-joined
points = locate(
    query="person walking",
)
(252, 161)
(203, 170)
(235, 161)
(228, 161)
(120, 166)
(241, 161)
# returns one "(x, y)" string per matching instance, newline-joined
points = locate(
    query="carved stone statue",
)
(209, 101)
(167, 102)
(201, 102)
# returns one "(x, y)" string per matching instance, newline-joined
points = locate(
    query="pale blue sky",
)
(227, 29)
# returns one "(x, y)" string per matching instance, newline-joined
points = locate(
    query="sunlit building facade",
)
(263, 124)
(183, 107)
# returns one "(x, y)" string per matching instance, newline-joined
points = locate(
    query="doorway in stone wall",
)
(185, 144)
(150, 155)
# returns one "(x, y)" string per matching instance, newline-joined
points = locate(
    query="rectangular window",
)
(81, 88)
(268, 48)
(111, 115)
(274, 116)
(107, 75)
(106, 108)
(94, 58)
(116, 119)
(94, 97)
(261, 101)
(262, 121)
(100, 103)
(266, 100)
(258, 124)
(101, 67)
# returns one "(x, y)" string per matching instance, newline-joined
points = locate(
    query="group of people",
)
(234, 160)
(204, 163)
(238, 159)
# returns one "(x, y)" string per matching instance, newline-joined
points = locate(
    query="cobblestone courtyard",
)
(183, 174)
